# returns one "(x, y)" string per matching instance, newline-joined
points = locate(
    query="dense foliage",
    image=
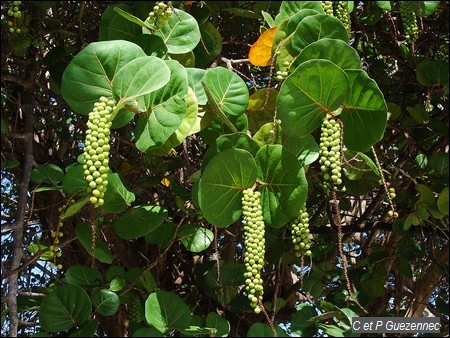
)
(222, 168)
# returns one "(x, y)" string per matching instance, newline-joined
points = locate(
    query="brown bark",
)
(427, 283)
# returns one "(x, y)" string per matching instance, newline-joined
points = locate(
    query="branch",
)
(17, 253)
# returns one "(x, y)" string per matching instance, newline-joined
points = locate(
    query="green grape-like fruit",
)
(254, 243)
(96, 150)
(327, 7)
(300, 233)
(160, 14)
(133, 309)
(341, 12)
(330, 151)
(409, 20)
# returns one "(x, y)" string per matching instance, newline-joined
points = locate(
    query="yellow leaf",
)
(261, 51)
(165, 182)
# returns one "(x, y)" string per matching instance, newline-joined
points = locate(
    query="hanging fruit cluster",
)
(409, 20)
(330, 151)
(341, 12)
(160, 14)
(96, 150)
(15, 13)
(300, 233)
(327, 7)
(254, 246)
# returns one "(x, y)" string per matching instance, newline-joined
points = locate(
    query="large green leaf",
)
(91, 73)
(261, 108)
(290, 8)
(140, 77)
(165, 110)
(180, 33)
(364, 112)
(65, 307)
(48, 173)
(237, 141)
(101, 252)
(315, 88)
(83, 276)
(152, 45)
(306, 149)
(221, 324)
(224, 178)
(228, 90)
(165, 310)
(161, 235)
(433, 72)
(184, 129)
(86, 330)
(113, 26)
(74, 180)
(264, 330)
(106, 301)
(300, 326)
(117, 196)
(211, 46)
(442, 201)
(283, 184)
(316, 27)
(139, 221)
(337, 51)
(195, 237)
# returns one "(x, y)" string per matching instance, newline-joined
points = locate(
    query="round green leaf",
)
(180, 33)
(294, 20)
(164, 110)
(65, 307)
(165, 310)
(195, 238)
(211, 46)
(49, 173)
(313, 89)
(152, 45)
(442, 201)
(316, 27)
(261, 108)
(306, 149)
(195, 78)
(237, 141)
(290, 8)
(264, 330)
(139, 221)
(301, 327)
(184, 129)
(283, 184)
(228, 89)
(431, 72)
(117, 196)
(139, 77)
(147, 332)
(90, 74)
(106, 301)
(220, 324)
(268, 134)
(364, 112)
(106, 27)
(220, 190)
(161, 235)
(217, 127)
(101, 252)
(87, 330)
(73, 180)
(118, 27)
(75, 207)
(83, 276)
(337, 51)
